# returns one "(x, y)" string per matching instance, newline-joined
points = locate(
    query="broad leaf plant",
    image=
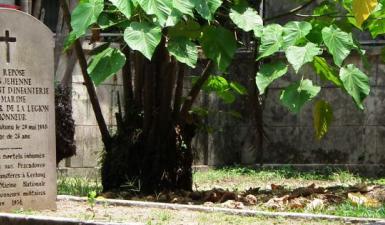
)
(323, 40)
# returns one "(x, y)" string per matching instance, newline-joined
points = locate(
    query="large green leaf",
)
(221, 87)
(299, 56)
(356, 83)
(143, 37)
(183, 50)
(105, 64)
(124, 6)
(184, 6)
(207, 8)
(216, 84)
(271, 40)
(268, 73)
(84, 15)
(295, 31)
(338, 42)
(325, 71)
(188, 29)
(246, 18)
(322, 118)
(160, 8)
(219, 45)
(297, 94)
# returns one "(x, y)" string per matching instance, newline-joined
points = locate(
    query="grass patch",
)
(78, 186)
(349, 209)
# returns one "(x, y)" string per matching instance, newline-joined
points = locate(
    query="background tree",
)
(162, 38)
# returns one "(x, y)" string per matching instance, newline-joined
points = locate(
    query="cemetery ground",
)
(330, 192)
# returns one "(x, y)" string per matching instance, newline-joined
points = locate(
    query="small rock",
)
(251, 199)
(233, 204)
(208, 204)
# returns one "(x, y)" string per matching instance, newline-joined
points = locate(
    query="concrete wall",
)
(88, 139)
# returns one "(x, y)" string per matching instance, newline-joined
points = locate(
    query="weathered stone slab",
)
(27, 113)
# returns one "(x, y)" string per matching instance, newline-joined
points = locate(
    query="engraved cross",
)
(7, 39)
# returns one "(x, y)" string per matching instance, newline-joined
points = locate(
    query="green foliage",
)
(225, 90)
(245, 17)
(356, 83)
(124, 6)
(105, 64)
(207, 8)
(294, 32)
(297, 94)
(338, 42)
(183, 26)
(268, 73)
(220, 50)
(299, 56)
(271, 40)
(83, 16)
(143, 37)
(325, 71)
(184, 50)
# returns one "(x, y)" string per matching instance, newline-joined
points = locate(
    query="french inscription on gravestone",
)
(27, 113)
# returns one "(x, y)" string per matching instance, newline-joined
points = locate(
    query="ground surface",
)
(162, 217)
(328, 192)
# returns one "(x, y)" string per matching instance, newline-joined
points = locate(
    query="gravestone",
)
(27, 113)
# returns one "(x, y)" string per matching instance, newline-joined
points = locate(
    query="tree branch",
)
(292, 11)
(191, 97)
(87, 80)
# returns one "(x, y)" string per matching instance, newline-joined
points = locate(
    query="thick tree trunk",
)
(155, 154)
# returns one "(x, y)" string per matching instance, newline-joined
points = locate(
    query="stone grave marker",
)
(27, 113)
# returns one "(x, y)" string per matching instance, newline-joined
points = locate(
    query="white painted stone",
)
(27, 118)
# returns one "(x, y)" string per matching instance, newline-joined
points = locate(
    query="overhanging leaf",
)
(124, 6)
(143, 37)
(325, 71)
(219, 45)
(338, 42)
(246, 18)
(299, 93)
(189, 29)
(362, 10)
(322, 118)
(268, 73)
(184, 6)
(271, 40)
(160, 8)
(356, 83)
(83, 16)
(299, 56)
(216, 84)
(105, 64)
(207, 8)
(295, 31)
(183, 50)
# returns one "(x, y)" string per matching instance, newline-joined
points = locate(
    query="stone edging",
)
(19, 219)
(239, 212)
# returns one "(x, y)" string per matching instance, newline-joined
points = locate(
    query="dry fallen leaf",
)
(359, 199)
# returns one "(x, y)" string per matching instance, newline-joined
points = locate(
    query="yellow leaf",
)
(362, 10)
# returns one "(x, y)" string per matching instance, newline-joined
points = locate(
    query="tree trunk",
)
(155, 154)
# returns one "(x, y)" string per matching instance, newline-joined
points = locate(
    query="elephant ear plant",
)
(160, 40)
